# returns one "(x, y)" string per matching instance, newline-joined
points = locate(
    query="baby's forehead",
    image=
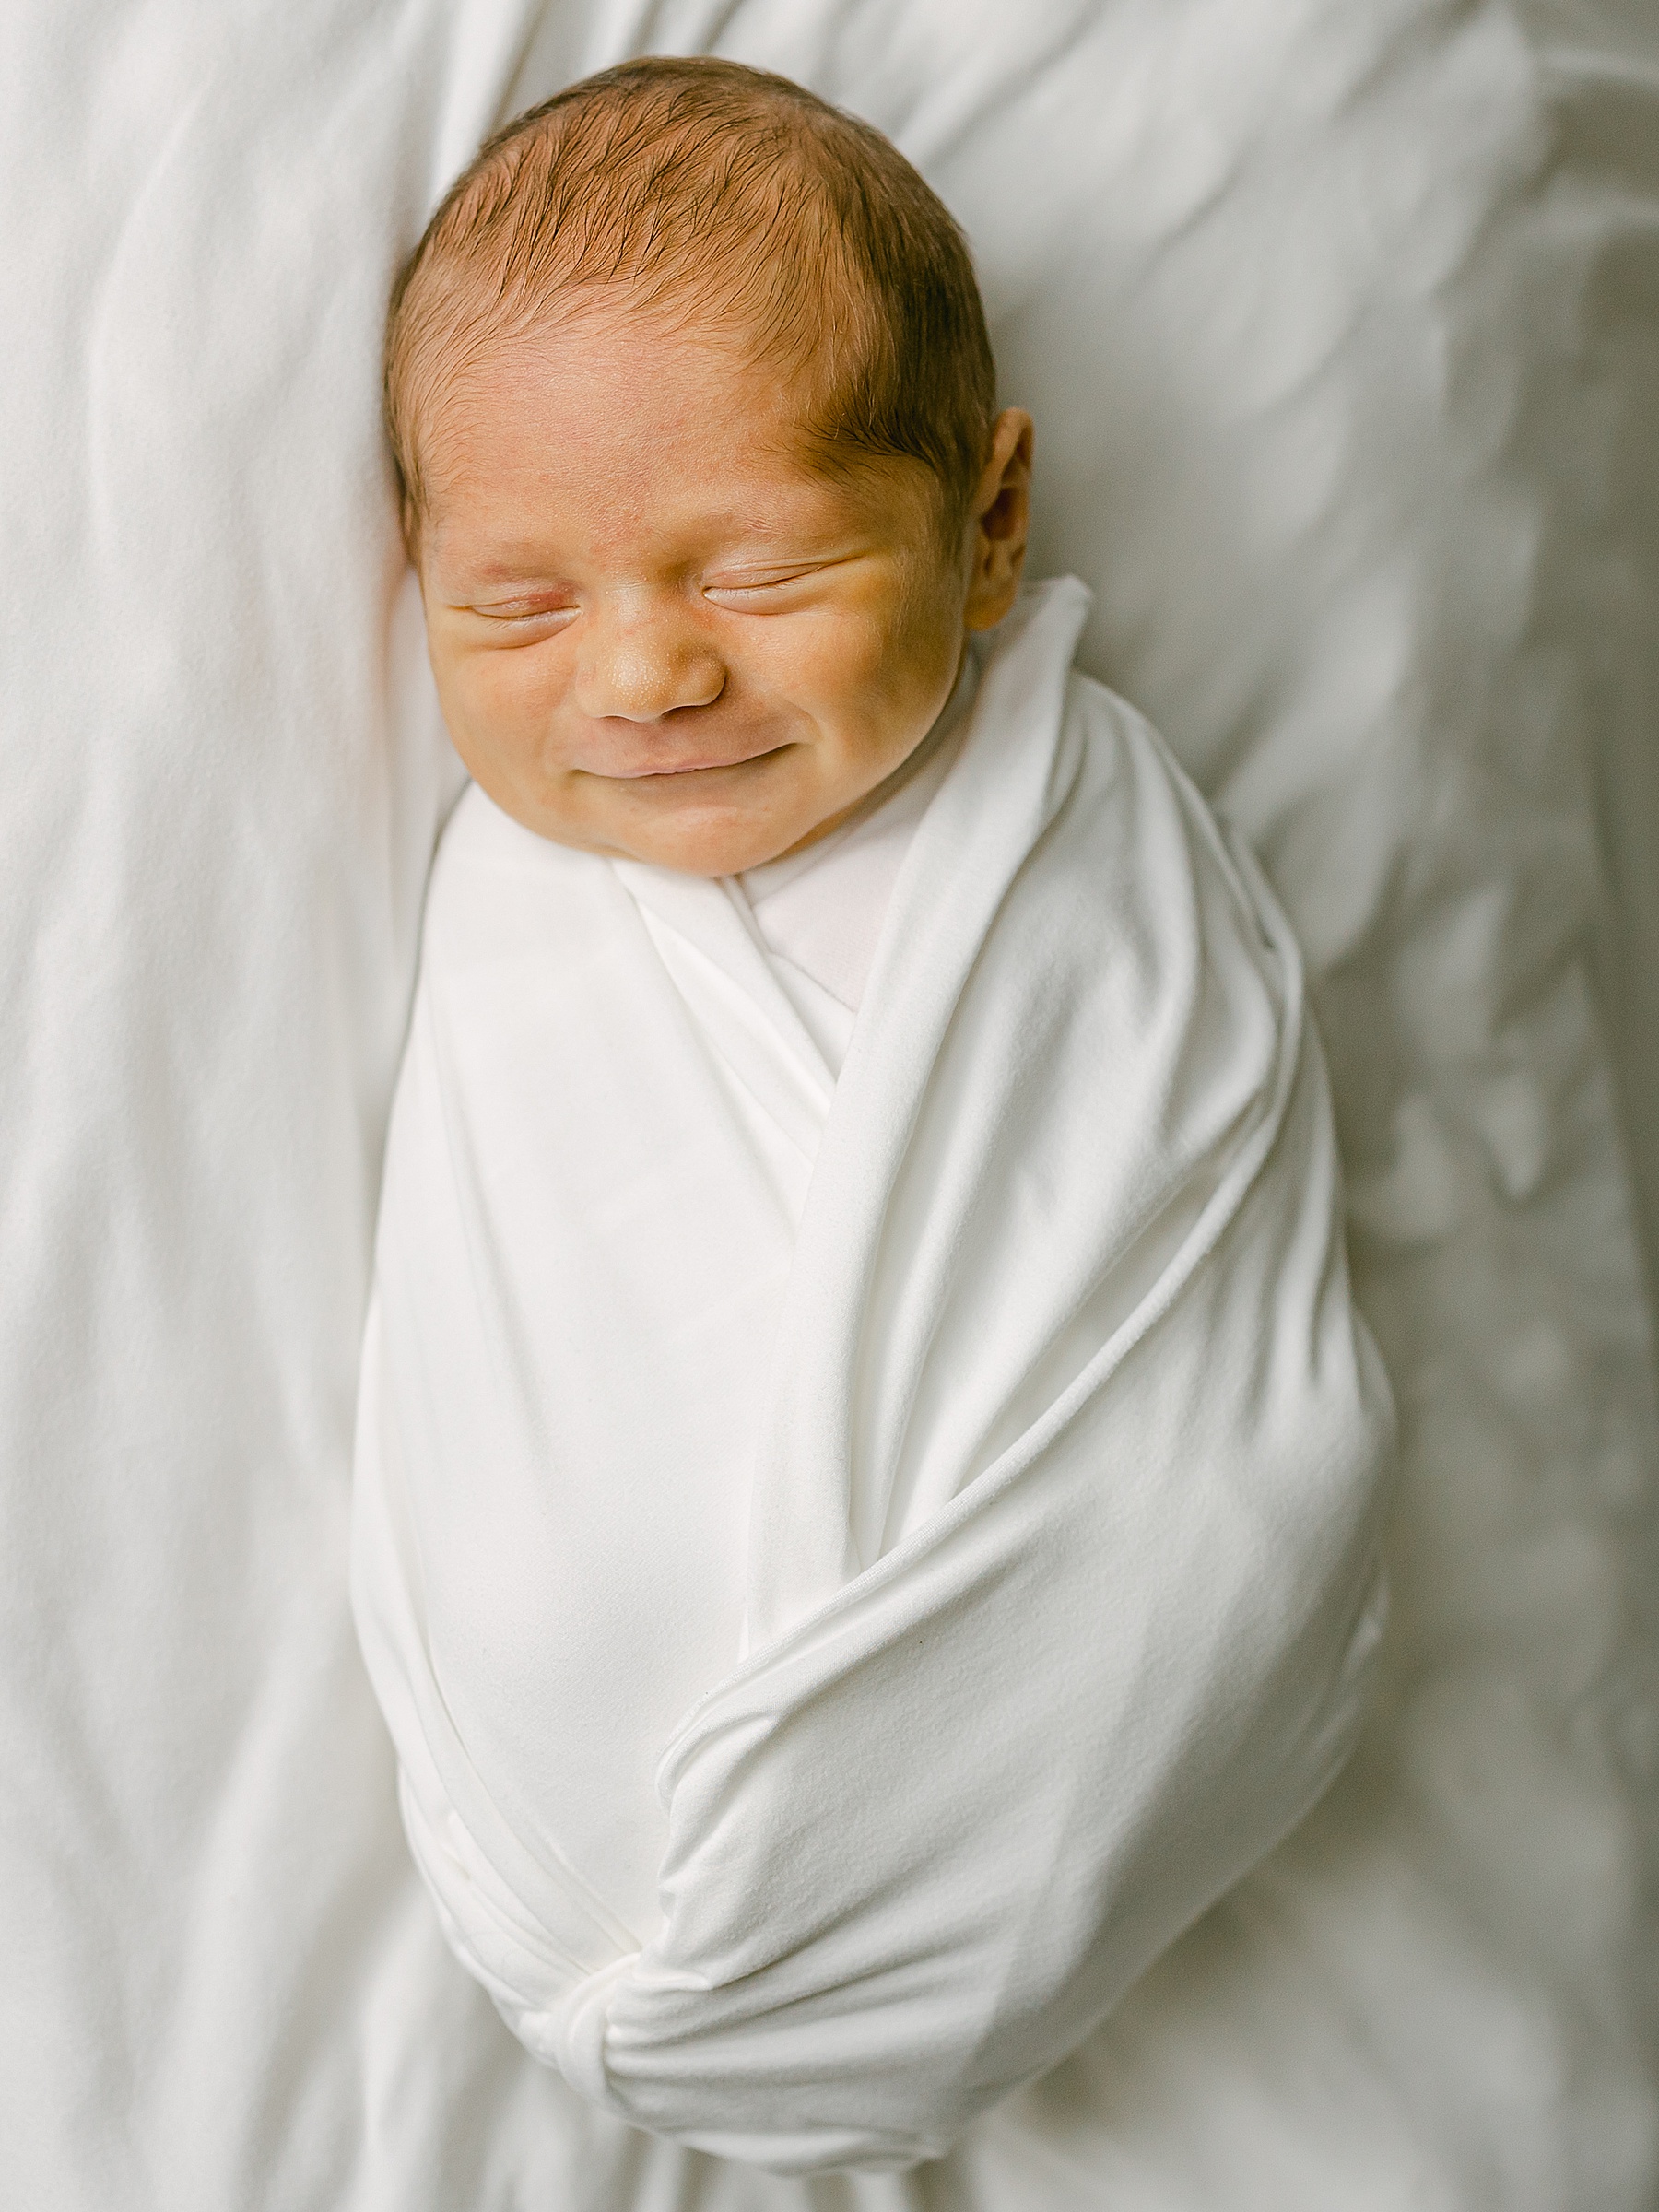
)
(595, 343)
(581, 423)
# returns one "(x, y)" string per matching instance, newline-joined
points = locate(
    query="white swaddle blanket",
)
(852, 1566)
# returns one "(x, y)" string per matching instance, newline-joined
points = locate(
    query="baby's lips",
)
(663, 762)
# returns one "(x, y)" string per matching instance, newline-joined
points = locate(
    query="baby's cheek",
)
(847, 672)
(507, 705)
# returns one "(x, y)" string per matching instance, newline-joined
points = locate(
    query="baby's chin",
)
(692, 846)
(688, 841)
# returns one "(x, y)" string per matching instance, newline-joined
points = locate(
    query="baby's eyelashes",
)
(736, 589)
(518, 610)
(521, 615)
(516, 621)
(743, 595)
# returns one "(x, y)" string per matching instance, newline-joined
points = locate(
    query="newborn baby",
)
(866, 1469)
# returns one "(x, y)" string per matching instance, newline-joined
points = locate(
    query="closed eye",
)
(515, 622)
(757, 590)
(519, 610)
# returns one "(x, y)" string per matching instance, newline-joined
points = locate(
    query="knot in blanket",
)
(852, 1566)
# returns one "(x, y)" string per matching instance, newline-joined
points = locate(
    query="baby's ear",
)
(1002, 521)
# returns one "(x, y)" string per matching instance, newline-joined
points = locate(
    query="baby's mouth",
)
(698, 764)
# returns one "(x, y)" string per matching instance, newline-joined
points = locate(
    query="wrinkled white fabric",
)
(1037, 1384)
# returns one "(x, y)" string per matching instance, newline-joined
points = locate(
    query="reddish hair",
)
(708, 190)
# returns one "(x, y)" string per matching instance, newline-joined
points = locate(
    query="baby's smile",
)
(707, 765)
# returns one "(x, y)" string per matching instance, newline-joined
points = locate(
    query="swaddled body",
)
(853, 1557)
(607, 1335)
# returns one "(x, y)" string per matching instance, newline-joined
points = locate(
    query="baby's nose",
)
(644, 671)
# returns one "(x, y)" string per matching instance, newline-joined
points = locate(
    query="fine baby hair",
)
(717, 194)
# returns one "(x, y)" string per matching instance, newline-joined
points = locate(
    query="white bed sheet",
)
(1333, 322)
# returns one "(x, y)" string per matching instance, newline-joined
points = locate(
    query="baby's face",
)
(657, 632)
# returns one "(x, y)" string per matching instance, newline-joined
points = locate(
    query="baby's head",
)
(694, 411)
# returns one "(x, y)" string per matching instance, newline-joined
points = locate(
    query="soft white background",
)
(1340, 327)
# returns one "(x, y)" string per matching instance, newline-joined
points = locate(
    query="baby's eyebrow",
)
(516, 572)
(514, 582)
